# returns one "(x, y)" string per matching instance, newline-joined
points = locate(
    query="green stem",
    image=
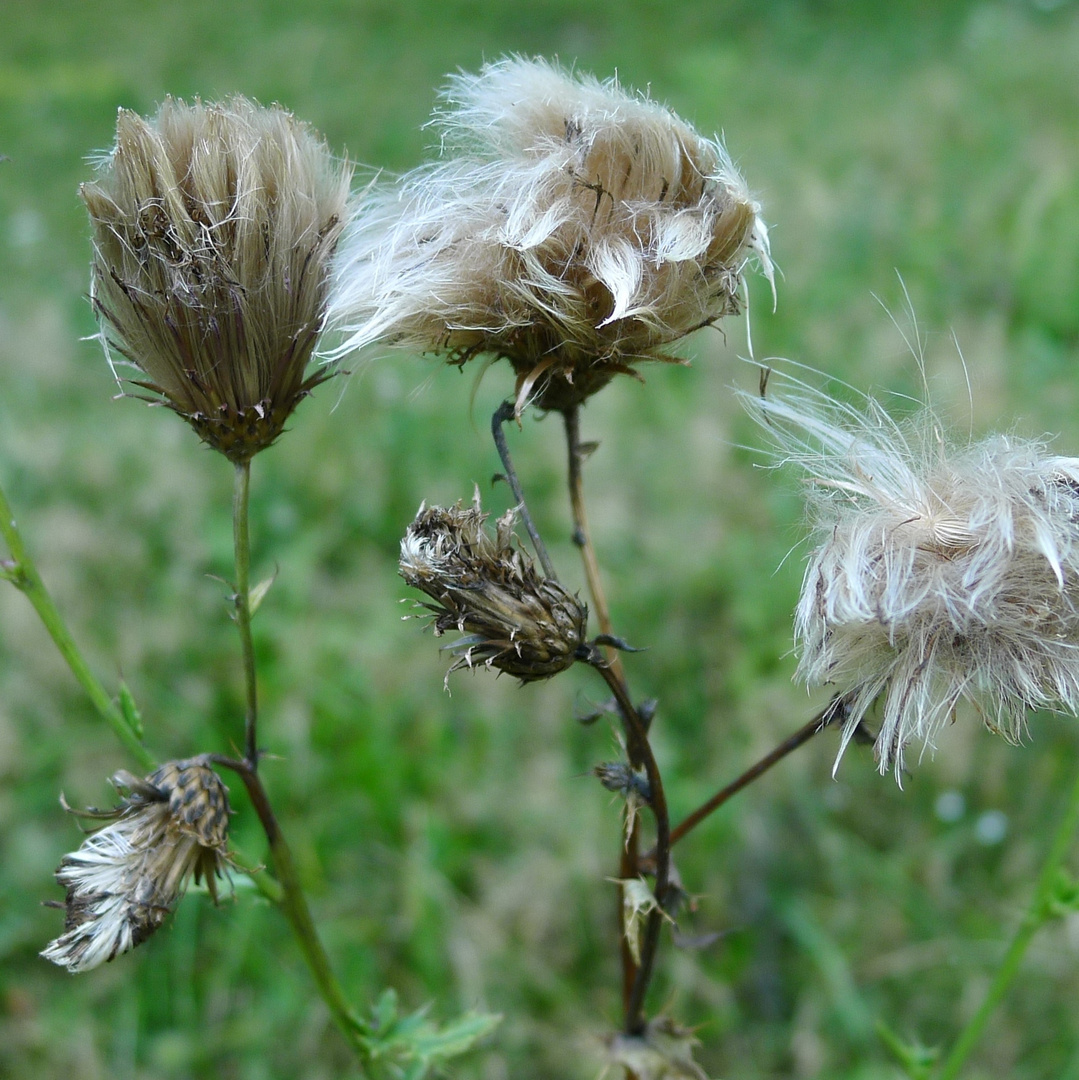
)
(23, 574)
(1036, 916)
(242, 612)
(293, 903)
(290, 898)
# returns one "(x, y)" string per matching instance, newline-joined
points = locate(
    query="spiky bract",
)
(485, 586)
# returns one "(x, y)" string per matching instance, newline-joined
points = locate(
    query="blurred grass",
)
(452, 845)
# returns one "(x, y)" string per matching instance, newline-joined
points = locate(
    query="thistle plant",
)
(214, 226)
(575, 230)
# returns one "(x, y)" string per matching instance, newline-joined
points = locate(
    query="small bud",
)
(620, 778)
(486, 587)
(573, 228)
(213, 227)
(126, 878)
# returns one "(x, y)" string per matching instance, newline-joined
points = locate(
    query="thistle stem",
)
(833, 711)
(582, 537)
(635, 979)
(241, 499)
(22, 573)
(293, 903)
(1039, 912)
(640, 754)
(505, 412)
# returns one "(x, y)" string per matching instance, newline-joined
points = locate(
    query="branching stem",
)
(293, 903)
(636, 977)
(640, 755)
(832, 712)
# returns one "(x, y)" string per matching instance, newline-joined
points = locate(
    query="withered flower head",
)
(124, 880)
(486, 587)
(571, 227)
(943, 569)
(663, 1051)
(213, 225)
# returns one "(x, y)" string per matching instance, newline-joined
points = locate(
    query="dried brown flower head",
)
(124, 880)
(573, 228)
(663, 1051)
(512, 618)
(213, 226)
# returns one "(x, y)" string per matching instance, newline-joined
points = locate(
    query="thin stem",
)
(242, 608)
(640, 755)
(505, 412)
(629, 857)
(23, 574)
(1036, 915)
(583, 538)
(293, 903)
(819, 722)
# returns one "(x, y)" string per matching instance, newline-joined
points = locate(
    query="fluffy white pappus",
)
(570, 227)
(943, 569)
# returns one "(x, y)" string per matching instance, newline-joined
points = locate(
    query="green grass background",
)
(453, 845)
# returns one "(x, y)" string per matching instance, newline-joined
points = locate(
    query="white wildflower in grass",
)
(512, 618)
(125, 879)
(571, 227)
(213, 227)
(943, 569)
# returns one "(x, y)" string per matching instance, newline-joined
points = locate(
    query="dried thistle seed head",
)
(943, 569)
(213, 226)
(485, 586)
(127, 876)
(571, 227)
(663, 1051)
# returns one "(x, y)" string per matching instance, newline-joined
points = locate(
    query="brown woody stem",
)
(835, 710)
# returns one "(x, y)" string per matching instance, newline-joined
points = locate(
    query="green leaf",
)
(455, 1038)
(129, 710)
(1063, 899)
(386, 1011)
(258, 593)
(916, 1060)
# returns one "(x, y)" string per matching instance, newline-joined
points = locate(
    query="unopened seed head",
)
(571, 227)
(213, 227)
(943, 569)
(485, 586)
(128, 875)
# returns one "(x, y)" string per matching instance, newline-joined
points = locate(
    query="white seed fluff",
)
(942, 569)
(570, 227)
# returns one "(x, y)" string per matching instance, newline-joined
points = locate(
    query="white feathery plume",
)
(570, 227)
(942, 569)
